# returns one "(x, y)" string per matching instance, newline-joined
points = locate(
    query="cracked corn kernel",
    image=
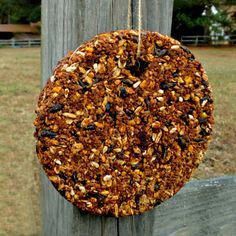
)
(111, 126)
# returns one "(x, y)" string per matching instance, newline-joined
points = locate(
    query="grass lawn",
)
(19, 87)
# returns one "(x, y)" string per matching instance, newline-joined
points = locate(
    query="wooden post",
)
(201, 208)
(65, 25)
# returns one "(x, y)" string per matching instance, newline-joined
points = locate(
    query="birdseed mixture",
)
(118, 135)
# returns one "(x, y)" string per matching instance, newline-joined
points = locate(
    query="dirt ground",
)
(19, 86)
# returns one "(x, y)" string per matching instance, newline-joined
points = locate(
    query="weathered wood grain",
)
(66, 24)
(156, 15)
(201, 208)
(206, 207)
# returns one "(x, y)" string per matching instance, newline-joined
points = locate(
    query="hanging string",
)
(139, 26)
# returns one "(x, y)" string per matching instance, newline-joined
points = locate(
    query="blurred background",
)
(208, 27)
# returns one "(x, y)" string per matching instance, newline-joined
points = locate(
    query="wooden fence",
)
(187, 40)
(201, 208)
(209, 40)
(20, 43)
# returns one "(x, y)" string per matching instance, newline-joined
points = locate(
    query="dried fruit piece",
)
(123, 92)
(167, 85)
(160, 52)
(90, 127)
(48, 134)
(138, 68)
(108, 107)
(182, 142)
(57, 107)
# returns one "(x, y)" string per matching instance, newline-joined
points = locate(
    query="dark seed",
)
(48, 134)
(138, 68)
(156, 186)
(74, 134)
(84, 182)
(55, 185)
(192, 58)
(84, 86)
(41, 117)
(44, 148)
(157, 203)
(184, 118)
(108, 107)
(182, 142)
(100, 198)
(78, 124)
(143, 120)
(110, 148)
(128, 82)
(190, 111)
(203, 132)
(204, 82)
(175, 74)
(99, 116)
(199, 140)
(186, 49)
(98, 177)
(164, 151)
(90, 127)
(120, 155)
(134, 38)
(147, 102)
(129, 112)
(62, 176)
(123, 198)
(137, 197)
(170, 101)
(47, 167)
(203, 99)
(123, 93)
(62, 192)
(131, 182)
(100, 203)
(91, 194)
(57, 107)
(165, 85)
(113, 115)
(160, 52)
(74, 177)
(143, 139)
(136, 166)
(95, 80)
(206, 98)
(37, 149)
(168, 123)
(202, 120)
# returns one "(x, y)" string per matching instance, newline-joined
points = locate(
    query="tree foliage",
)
(194, 17)
(20, 11)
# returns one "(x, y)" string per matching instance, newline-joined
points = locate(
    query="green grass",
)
(19, 87)
(220, 65)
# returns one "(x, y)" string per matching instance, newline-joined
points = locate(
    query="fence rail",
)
(20, 43)
(189, 40)
(209, 40)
